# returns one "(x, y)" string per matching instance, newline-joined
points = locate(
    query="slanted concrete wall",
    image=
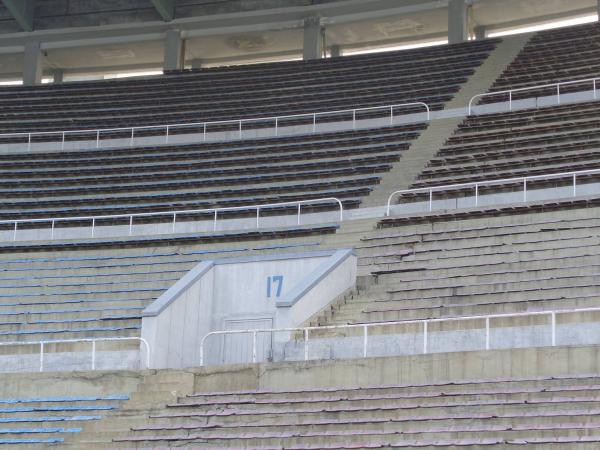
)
(275, 291)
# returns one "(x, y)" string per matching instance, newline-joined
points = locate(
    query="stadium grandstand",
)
(299, 224)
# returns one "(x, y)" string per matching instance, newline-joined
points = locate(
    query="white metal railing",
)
(170, 129)
(214, 211)
(476, 185)
(510, 92)
(42, 346)
(365, 327)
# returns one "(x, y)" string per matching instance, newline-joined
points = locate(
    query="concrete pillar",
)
(336, 50)
(196, 63)
(58, 75)
(32, 64)
(173, 50)
(313, 38)
(457, 21)
(481, 32)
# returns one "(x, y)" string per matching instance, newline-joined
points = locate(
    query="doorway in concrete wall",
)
(237, 348)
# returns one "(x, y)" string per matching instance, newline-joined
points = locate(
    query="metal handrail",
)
(215, 211)
(533, 88)
(204, 125)
(365, 327)
(477, 184)
(93, 341)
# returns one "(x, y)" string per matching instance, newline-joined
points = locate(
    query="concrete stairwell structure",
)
(413, 161)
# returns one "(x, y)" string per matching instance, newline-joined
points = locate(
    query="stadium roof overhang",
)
(218, 37)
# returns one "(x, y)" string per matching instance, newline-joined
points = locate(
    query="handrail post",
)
(476, 194)
(314, 122)
(558, 93)
(215, 222)
(365, 339)
(257, 216)
(430, 199)
(41, 356)
(574, 185)
(391, 115)
(204, 134)
(487, 333)
(510, 100)
(254, 346)
(97, 138)
(594, 87)
(167, 135)
(299, 205)
(28, 141)
(306, 344)
(93, 225)
(52, 231)
(62, 145)
(276, 126)
(553, 322)
(15, 232)
(130, 225)
(132, 133)
(174, 220)
(524, 189)
(354, 119)
(424, 336)
(93, 354)
(240, 129)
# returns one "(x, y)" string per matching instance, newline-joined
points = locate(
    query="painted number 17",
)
(274, 285)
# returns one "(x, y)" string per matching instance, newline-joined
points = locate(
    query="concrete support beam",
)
(166, 9)
(336, 50)
(32, 64)
(481, 32)
(457, 21)
(22, 11)
(174, 47)
(313, 38)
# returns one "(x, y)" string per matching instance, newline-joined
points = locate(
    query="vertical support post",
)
(257, 216)
(204, 138)
(254, 346)
(62, 145)
(15, 232)
(476, 194)
(487, 333)
(299, 206)
(524, 189)
(430, 199)
(558, 93)
(167, 135)
(354, 119)
(174, 220)
(276, 126)
(594, 88)
(93, 355)
(391, 115)
(93, 225)
(52, 232)
(240, 129)
(215, 222)
(365, 340)
(98, 139)
(130, 225)
(314, 122)
(424, 336)
(28, 141)
(457, 21)
(553, 321)
(41, 356)
(306, 344)
(510, 100)
(574, 185)
(132, 133)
